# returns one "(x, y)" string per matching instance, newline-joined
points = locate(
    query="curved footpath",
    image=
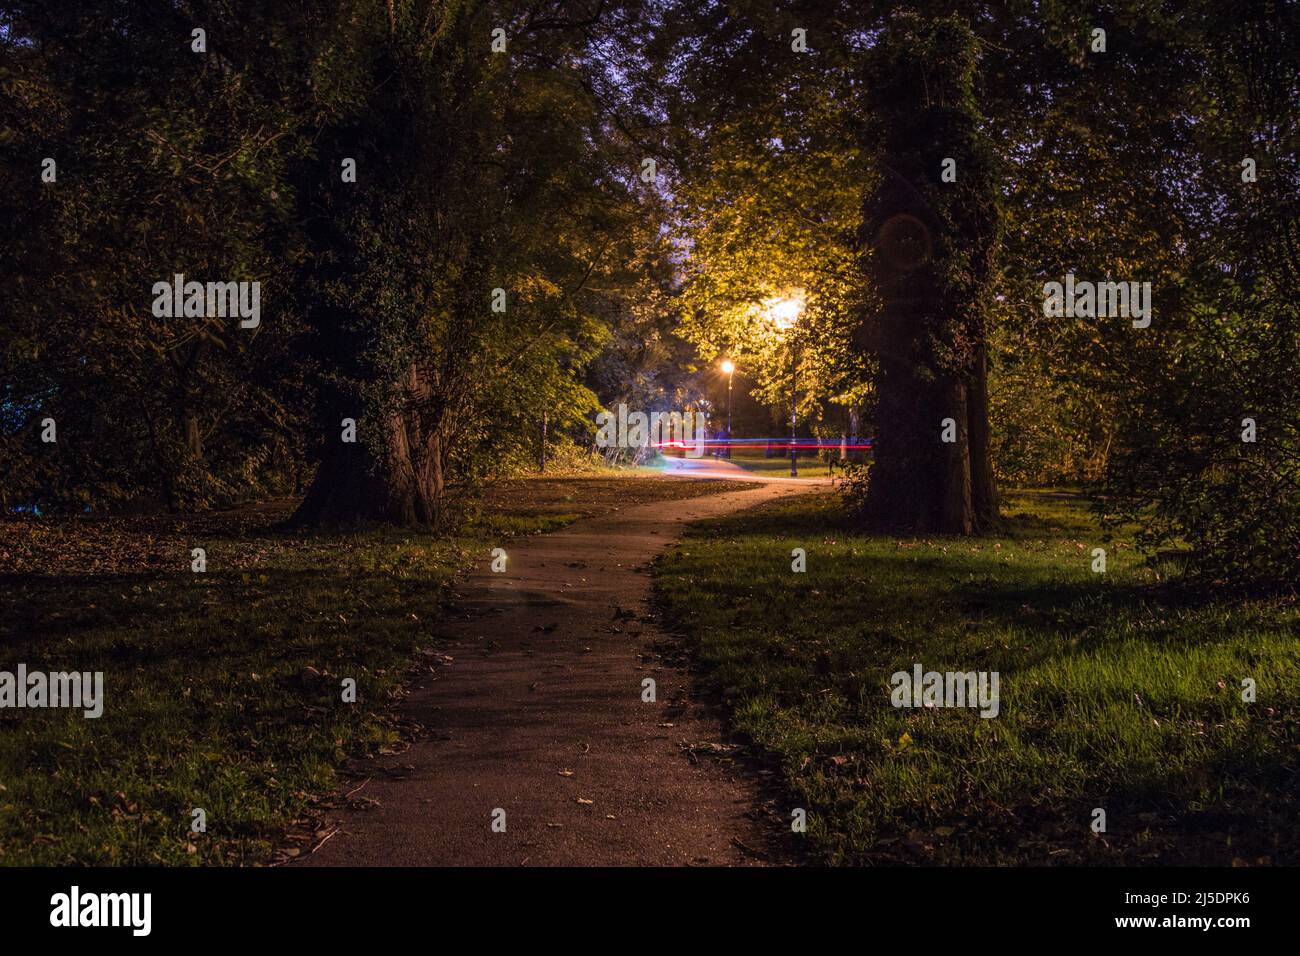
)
(539, 713)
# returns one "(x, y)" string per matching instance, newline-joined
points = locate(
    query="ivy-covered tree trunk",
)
(984, 494)
(929, 245)
(375, 292)
(395, 477)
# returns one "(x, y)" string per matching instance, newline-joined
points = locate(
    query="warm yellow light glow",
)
(728, 366)
(784, 311)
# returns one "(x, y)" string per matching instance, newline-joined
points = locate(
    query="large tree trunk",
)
(929, 247)
(394, 478)
(918, 482)
(984, 495)
(957, 515)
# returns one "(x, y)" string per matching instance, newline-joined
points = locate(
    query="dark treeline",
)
(381, 169)
(921, 173)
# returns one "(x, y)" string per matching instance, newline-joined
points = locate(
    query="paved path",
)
(539, 713)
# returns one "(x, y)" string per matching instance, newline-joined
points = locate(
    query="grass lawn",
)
(223, 689)
(1118, 691)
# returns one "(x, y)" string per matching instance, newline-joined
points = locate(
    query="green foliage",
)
(475, 171)
(768, 195)
(852, 484)
(519, 171)
(1053, 427)
(1162, 199)
(1120, 165)
(1184, 467)
(167, 162)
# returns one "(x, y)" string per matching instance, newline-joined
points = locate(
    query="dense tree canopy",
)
(1108, 144)
(446, 207)
(227, 157)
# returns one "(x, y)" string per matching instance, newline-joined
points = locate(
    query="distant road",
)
(729, 471)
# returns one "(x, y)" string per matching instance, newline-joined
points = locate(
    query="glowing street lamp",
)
(785, 313)
(729, 367)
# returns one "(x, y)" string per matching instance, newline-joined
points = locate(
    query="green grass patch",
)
(1118, 690)
(222, 692)
(223, 689)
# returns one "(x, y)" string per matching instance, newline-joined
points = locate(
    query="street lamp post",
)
(785, 313)
(729, 367)
(794, 403)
